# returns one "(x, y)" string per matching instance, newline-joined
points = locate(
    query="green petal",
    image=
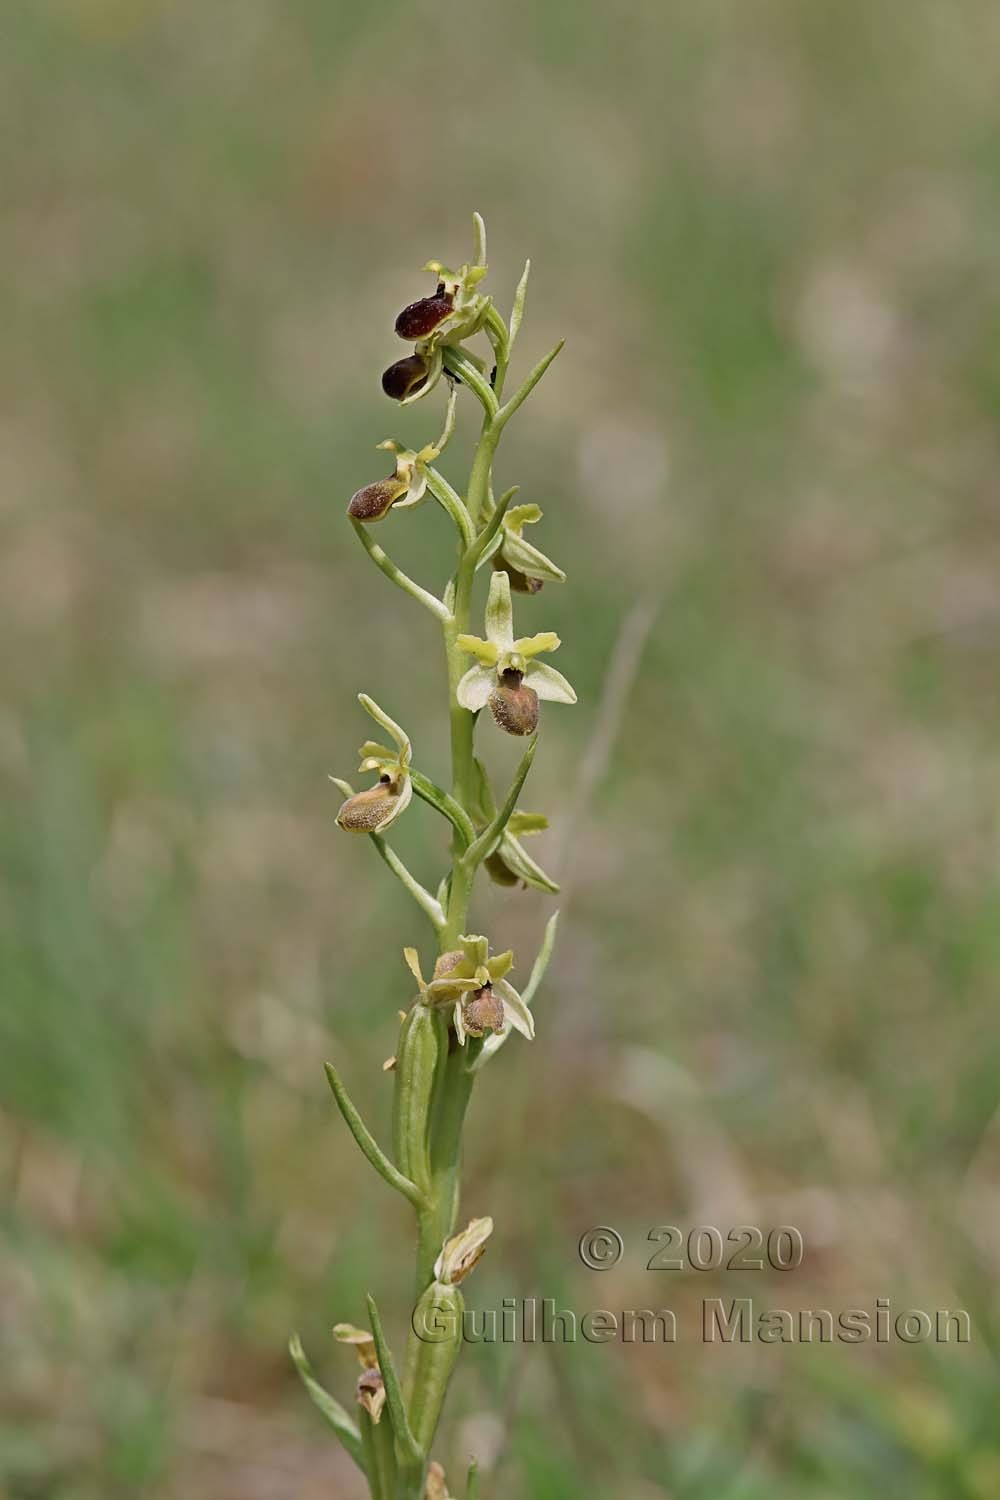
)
(400, 804)
(521, 515)
(416, 490)
(548, 683)
(435, 366)
(499, 614)
(475, 688)
(372, 750)
(474, 645)
(526, 558)
(534, 645)
(447, 990)
(500, 964)
(477, 949)
(515, 1009)
(525, 822)
(412, 960)
(389, 725)
(524, 867)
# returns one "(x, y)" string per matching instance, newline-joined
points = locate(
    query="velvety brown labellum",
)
(513, 705)
(405, 376)
(375, 500)
(364, 812)
(484, 1012)
(420, 319)
(519, 582)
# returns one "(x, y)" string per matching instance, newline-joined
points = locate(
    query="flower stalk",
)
(459, 1017)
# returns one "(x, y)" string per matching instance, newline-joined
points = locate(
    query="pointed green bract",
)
(328, 1407)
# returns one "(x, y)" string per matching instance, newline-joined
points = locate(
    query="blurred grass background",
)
(769, 233)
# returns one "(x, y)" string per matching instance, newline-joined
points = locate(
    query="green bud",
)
(420, 1056)
(435, 1486)
(437, 1324)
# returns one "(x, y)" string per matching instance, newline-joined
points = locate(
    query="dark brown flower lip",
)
(483, 1012)
(374, 501)
(363, 812)
(419, 319)
(514, 705)
(405, 376)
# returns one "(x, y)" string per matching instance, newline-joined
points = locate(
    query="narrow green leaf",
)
(372, 1150)
(490, 836)
(542, 961)
(472, 1483)
(507, 411)
(408, 1446)
(328, 1407)
(480, 548)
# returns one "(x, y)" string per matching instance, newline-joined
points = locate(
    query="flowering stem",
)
(396, 575)
(422, 897)
(464, 1013)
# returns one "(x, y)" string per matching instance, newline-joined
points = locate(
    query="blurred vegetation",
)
(769, 232)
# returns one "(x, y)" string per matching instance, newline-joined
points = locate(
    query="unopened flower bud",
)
(376, 500)
(462, 1252)
(435, 1487)
(419, 319)
(513, 704)
(371, 1393)
(368, 811)
(483, 1012)
(405, 377)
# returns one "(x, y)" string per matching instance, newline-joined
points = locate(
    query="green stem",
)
(396, 575)
(376, 1438)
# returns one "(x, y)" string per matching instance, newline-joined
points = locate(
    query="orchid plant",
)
(459, 1017)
